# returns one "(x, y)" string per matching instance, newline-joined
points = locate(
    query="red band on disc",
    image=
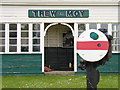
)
(92, 45)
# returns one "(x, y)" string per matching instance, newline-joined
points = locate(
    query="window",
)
(2, 37)
(36, 38)
(116, 37)
(24, 38)
(105, 26)
(20, 38)
(92, 26)
(81, 28)
(12, 37)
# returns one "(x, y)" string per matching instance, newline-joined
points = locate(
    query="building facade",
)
(36, 34)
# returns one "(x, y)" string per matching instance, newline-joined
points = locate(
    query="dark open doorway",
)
(59, 48)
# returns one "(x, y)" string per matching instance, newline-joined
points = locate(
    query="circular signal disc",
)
(92, 45)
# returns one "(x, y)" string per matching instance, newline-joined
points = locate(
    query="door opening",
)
(59, 48)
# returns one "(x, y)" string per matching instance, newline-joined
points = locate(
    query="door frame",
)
(74, 33)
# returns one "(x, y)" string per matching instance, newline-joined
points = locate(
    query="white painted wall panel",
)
(54, 36)
(60, 2)
(96, 14)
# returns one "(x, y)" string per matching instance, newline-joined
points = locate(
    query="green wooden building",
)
(43, 33)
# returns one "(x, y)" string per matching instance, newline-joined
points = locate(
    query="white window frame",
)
(19, 39)
(6, 38)
(2, 38)
(99, 26)
(41, 38)
(30, 37)
(115, 37)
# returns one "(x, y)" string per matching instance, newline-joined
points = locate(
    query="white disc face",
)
(92, 45)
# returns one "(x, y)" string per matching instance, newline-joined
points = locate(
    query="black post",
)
(92, 76)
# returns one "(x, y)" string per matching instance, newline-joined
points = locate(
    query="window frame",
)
(99, 26)
(30, 32)
(115, 41)
(41, 37)
(36, 38)
(92, 24)
(2, 38)
(13, 38)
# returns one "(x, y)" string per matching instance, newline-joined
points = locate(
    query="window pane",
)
(24, 48)
(118, 28)
(13, 34)
(36, 41)
(116, 37)
(24, 27)
(24, 34)
(36, 34)
(2, 34)
(2, 37)
(114, 26)
(36, 26)
(2, 41)
(119, 34)
(13, 26)
(115, 41)
(2, 26)
(13, 48)
(118, 47)
(2, 48)
(13, 41)
(36, 48)
(105, 26)
(93, 26)
(36, 37)
(81, 27)
(24, 41)
(114, 34)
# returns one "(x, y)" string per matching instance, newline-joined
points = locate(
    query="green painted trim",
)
(20, 74)
(101, 73)
(80, 73)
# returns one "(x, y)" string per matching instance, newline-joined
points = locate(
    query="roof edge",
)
(59, 3)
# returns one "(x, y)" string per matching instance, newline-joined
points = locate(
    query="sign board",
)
(92, 45)
(58, 13)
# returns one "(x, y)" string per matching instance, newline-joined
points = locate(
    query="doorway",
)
(59, 48)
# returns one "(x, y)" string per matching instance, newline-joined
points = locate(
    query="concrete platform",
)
(60, 73)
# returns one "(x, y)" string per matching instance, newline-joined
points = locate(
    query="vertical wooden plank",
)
(30, 38)
(114, 35)
(58, 32)
(6, 37)
(98, 26)
(75, 50)
(110, 29)
(42, 44)
(18, 37)
(87, 26)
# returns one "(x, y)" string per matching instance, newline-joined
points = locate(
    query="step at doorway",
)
(60, 73)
